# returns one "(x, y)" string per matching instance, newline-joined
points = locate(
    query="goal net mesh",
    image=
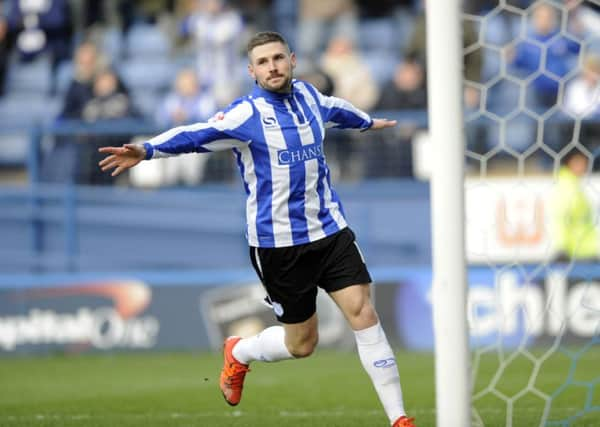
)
(534, 306)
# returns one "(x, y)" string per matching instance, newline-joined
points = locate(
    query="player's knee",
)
(303, 348)
(362, 310)
(362, 315)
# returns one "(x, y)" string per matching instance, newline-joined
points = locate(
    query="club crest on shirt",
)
(301, 154)
(269, 121)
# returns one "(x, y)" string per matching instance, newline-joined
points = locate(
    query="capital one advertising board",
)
(101, 315)
(133, 314)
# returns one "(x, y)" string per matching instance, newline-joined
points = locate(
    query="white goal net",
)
(532, 205)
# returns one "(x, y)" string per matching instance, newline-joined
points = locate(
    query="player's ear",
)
(293, 60)
(251, 71)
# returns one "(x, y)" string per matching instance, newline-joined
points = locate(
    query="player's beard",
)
(283, 85)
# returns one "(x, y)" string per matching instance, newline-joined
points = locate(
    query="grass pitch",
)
(328, 389)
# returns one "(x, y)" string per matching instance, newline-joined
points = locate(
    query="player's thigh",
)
(343, 263)
(356, 305)
(289, 282)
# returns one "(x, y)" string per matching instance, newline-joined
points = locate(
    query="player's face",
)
(272, 65)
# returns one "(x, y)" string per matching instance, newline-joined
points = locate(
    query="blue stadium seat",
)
(285, 14)
(112, 43)
(14, 147)
(146, 102)
(382, 66)
(64, 75)
(496, 30)
(30, 77)
(378, 34)
(404, 27)
(21, 110)
(147, 41)
(492, 64)
(154, 74)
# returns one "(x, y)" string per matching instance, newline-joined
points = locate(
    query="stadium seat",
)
(491, 64)
(145, 41)
(285, 14)
(30, 77)
(14, 147)
(64, 74)
(112, 43)
(21, 110)
(382, 65)
(146, 102)
(378, 34)
(147, 74)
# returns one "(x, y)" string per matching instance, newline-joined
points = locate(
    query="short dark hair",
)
(572, 153)
(265, 37)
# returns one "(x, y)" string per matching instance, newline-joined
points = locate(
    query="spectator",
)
(352, 80)
(4, 52)
(319, 79)
(42, 26)
(108, 103)
(574, 232)
(186, 104)
(216, 30)
(582, 95)
(382, 8)
(149, 12)
(351, 76)
(88, 62)
(391, 156)
(257, 14)
(416, 49)
(320, 21)
(560, 54)
(406, 90)
(584, 21)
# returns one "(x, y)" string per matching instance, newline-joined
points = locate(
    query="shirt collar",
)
(259, 92)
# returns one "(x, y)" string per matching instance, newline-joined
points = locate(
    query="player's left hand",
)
(121, 158)
(382, 124)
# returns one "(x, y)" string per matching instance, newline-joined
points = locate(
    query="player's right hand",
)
(121, 158)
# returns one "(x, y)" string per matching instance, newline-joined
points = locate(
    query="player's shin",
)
(378, 360)
(267, 346)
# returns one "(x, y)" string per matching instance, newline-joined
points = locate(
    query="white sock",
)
(267, 346)
(378, 360)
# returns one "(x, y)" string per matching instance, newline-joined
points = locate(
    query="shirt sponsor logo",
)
(302, 154)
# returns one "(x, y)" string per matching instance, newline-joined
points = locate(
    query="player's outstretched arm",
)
(121, 158)
(382, 124)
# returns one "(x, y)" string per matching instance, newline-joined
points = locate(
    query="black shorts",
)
(292, 274)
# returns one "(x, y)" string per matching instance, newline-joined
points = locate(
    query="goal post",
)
(444, 68)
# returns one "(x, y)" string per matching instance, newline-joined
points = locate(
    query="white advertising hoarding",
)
(508, 219)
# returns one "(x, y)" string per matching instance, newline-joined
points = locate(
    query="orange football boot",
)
(404, 422)
(233, 373)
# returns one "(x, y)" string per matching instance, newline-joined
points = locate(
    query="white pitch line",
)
(239, 413)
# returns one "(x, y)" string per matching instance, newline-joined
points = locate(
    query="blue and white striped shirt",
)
(278, 142)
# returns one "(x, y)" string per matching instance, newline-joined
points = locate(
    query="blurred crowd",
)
(171, 62)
